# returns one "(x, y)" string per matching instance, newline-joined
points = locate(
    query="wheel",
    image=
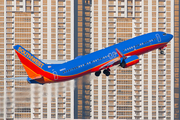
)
(97, 73)
(162, 52)
(123, 64)
(108, 73)
(105, 71)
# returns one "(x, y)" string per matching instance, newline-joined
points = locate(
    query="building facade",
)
(45, 28)
(176, 60)
(65, 29)
(145, 90)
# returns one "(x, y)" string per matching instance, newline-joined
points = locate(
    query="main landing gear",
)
(106, 72)
(97, 73)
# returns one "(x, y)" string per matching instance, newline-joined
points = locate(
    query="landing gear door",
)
(158, 37)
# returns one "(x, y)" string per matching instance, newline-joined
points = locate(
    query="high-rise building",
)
(45, 28)
(176, 60)
(82, 46)
(145, 90)
(65, 29)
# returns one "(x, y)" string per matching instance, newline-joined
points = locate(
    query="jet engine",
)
(129, 61)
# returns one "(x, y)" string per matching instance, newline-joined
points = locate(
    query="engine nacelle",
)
(132, 60)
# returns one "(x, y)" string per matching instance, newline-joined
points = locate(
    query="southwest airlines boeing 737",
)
(124, 54)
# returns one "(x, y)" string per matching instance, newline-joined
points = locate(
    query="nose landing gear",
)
(161, 49)
(162, 52)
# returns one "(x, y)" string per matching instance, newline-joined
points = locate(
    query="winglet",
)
(119, 53)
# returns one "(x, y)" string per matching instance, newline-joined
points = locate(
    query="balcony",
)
(161, 78)
(111, 25)
(111, 109)
(161, 4)
(121, 3)
(112, 83)
(137, 77)
(111, 98)
(137, 99)
(112, 9)
(162, 62)
(137, 26)
(161, 88)
(112, 88)
(162, 9)
(138, 82)
(162, 109)
(9, 110)
(162, 114)
(137, 3)
(162, 21)
(137, 109)
(161, 57)
(161, 72)
(138, 73)
(161, 67)
(112, 3)
(138, 114)
(112, 104)
(61, 4)
(36, 21)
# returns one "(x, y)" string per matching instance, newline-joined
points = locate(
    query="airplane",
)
(124, 54)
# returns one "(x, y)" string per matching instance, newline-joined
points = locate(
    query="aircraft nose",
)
(170, 36)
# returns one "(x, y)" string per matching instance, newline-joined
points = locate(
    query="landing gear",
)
(106, 72)
(162, 52)
(123, 64)
(97, 73)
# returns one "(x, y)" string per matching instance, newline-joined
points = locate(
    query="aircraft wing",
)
(54, 61)
(109, 64)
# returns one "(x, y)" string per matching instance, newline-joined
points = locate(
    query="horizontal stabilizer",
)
(53, 61)
(38, 80)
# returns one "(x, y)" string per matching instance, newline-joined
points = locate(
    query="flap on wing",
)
(106, 65)
(54, 61)
(109, 64)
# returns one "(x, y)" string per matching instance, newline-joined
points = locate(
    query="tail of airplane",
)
(33, 66)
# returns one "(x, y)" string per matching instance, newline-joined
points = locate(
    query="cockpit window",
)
(164, 34)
